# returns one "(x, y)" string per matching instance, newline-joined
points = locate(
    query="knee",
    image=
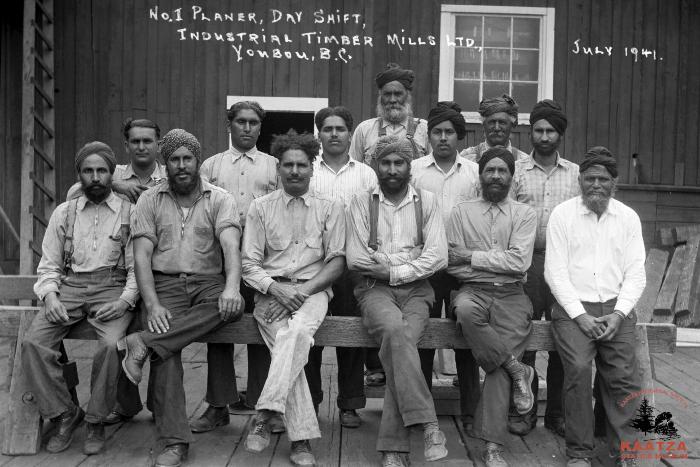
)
(577, 368)
(108, 342)
(392, 330)
(466, 314)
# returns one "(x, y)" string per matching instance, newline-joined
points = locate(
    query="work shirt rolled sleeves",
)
(591, 259)
(397, 236)
(501, 237)
(246, 175)
(291, 237)
(543, 191)
(182, 244)
(96, 245)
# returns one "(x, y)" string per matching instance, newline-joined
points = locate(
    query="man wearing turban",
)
(490, 248)
(543, 181)
(394, 117)
(186, 233)
(247, 173)
(453, 179)
(86, 273)
(595, 268)
(499, 115)
(396, 240)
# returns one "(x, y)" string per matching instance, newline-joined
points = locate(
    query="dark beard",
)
(97, 193)
(494, 196)
(386, 188)
(183, 188)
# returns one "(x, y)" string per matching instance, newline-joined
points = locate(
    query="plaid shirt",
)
(544, 191)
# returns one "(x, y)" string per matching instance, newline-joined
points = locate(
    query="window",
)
(486, 51)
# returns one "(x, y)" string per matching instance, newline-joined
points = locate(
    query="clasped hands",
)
(600, 329)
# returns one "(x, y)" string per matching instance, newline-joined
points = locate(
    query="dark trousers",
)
(351, 390)
(82, 294)
(616, 370)
(496, 321)
(193, 303)
(542, 301)
(396, 317)
(128, 396)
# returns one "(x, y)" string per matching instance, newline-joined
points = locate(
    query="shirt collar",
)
(305, 197)
(320, 162)
(112, 201)
(612, 208)
(385, 123)
(157, 174)
(411, 194)
(236, 154)
(530, 163)
(456, 166)
(487, 205)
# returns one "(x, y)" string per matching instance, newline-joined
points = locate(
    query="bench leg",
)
(23, 422)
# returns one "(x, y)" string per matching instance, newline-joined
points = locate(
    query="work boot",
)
(434, 442)
(521, 376)
(394, 459)
(135, 356)
(522, 424)
(578, 462)
(95, 439)
(210, 419)
(277, 424)
(259, 437)
(115, 417)
(350, 418)
(493, 455)
(301, 453)
(68, 421)
(172, 455)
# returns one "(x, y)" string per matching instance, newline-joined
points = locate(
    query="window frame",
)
(448, 13)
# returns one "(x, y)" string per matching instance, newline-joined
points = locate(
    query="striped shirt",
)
(543, 191)
(397, 236)
(459, 184)
(364, 139)
(126, 172)
(591, 259)
(291, 237)
(474, 153)
(501, 237)
(353, 177)
(246, 175)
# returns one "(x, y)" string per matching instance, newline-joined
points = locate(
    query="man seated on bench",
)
(85, 272)
(491, 240)
(293, 250)
(396, 241)
(594, 265)
(181, 228)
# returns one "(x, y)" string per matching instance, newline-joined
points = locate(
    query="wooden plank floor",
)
(133, 443)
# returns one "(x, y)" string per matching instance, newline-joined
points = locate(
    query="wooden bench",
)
(23, 424)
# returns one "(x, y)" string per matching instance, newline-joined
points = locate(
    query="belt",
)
(491, 284)
(293, 280)
(181, 275)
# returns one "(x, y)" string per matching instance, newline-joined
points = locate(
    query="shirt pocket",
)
(164, 232)
(203, 239)
(115, 249)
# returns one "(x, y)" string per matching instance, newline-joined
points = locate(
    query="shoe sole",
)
(183, 459)
(122, 347)
(532, 396)
(256, 450)
(440, 455)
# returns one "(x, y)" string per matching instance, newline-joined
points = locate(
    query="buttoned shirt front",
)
(291, 237)
(246, 175)
(185, 243)
(501, 237)
(364, 139)
(543, 190)
(460, 183)
(397, 236)
(126, 172)
(474, 153)
(591, 259)
(97, 245)
(353, 177)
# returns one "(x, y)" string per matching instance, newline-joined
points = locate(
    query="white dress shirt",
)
(594, 260)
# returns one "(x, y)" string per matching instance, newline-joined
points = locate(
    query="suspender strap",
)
(411, 130)
(69, 227)
(419, 218)
(382, 128)
(124, 231)
(373, 220)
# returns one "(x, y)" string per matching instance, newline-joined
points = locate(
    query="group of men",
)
(390, 223)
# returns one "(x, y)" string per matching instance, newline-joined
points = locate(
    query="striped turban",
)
(399, 145)
(176, 139)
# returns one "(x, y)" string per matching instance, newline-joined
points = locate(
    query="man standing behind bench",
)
(180, 230)
(293, 251)
(85, 272)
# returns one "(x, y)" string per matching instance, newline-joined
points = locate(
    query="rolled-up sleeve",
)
(50, 268)
(254, 250)
(518, 256)
(131, 291)
(334, 232)
(634, 276)
(358, 254)
(226, 214)
(145, 219)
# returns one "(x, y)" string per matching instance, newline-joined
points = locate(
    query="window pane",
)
(525, 95)
(497, 64)
(467, 94)
(495, 89)
(469, 26)
(525, 65)
(526, 33)
(467, 63)
(496, 31)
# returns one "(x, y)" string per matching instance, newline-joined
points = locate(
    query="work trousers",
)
(82, 294)
(193, 302)
(351, 383)
(617, 372)
(396, 317)
(495, 320)
(537, 290)
(286, 390)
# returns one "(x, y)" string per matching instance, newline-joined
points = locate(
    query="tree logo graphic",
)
(660, 427)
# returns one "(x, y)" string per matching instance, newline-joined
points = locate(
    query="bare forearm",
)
(325, 277)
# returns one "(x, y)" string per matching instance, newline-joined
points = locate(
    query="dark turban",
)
(599, 155)
(176, 139)
(551, 111)
(445, 111)
(493, 105)
(394, 72)
(393, 144)
(498, 152)
(99, 148)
